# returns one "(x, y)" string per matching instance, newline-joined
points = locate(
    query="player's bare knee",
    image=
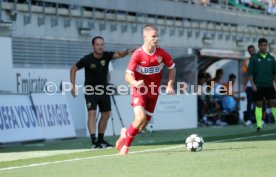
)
(138, 122)
(142, 127)
(105, 115)
(141, 117)
(91, 114)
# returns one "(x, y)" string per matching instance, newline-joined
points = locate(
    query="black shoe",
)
(105, 144)
(258, 129)
(96, 145)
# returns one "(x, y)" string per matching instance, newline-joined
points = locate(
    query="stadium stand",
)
(251, 6)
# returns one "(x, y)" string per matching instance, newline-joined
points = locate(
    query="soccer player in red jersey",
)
(144, 74)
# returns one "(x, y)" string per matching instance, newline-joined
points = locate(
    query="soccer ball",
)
(194, 143)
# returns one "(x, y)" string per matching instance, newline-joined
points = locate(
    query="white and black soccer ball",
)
(194, 143)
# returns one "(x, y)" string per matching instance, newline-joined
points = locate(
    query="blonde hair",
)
(150, 27)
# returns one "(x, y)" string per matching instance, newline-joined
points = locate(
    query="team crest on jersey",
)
(135, 101)
(92, 66)
(102, 62)
(159, 59)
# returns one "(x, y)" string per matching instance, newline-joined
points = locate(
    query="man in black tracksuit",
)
(95, 65)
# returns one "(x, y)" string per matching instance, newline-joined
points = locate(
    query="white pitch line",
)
(242, 138)
(113, 155)
(87, 158)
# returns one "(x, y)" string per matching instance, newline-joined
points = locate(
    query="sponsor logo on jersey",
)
(159, 59)
(102, 62)
(92, 66)
(149, 70)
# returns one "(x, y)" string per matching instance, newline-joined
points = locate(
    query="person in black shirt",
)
(95, 65)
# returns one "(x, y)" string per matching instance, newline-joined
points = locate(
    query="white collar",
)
(147, 52)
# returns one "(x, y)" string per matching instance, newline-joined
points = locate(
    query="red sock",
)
(130, 135)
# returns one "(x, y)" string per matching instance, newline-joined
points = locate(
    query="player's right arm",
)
(167, 59)
(73, 71)
(254, 87)
(250, 72)
(80, 64)
(129, 77)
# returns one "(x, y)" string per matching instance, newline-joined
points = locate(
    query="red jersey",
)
(148, 68)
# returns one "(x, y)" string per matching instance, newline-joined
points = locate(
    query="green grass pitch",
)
(233, 151)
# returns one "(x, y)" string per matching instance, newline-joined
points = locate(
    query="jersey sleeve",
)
(133, 63)
(109, 55)
(167, 59)
(81, 63)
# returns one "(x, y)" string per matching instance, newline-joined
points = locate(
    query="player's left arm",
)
(172, 73)
(167, 59)
(274, 69)
(121, 54)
